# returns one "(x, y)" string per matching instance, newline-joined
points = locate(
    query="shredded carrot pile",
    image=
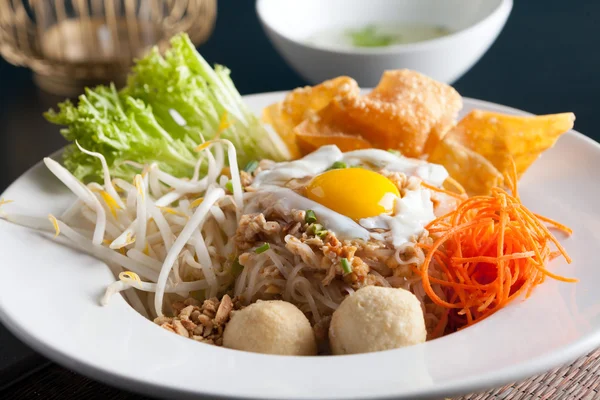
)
(489, 251)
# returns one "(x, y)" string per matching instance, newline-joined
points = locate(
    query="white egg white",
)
(411, 213)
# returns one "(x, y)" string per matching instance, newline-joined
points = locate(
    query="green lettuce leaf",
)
(171, 104)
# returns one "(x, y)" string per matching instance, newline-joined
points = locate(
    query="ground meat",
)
(360, 272)
(254, 228)
(335, 250)
(203, 322)
(298, 215)
(314, 241)
(223, 310)
(321, 253)
(246, 178)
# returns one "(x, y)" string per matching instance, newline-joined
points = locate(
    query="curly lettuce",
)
(171, 104)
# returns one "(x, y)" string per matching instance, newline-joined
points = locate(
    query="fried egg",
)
(354, 201)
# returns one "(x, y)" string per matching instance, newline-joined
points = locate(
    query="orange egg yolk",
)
(354, 192)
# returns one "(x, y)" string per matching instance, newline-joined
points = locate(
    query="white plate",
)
(49, 297)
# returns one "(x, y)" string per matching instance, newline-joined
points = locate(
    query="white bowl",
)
(290, 23)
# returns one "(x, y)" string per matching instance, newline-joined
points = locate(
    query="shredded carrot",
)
(488, 251)
(555, 224)
(448, 192)
(454, 183)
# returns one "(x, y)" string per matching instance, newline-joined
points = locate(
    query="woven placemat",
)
(578, 381)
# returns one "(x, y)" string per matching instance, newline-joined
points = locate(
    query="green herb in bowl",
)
(370, 37)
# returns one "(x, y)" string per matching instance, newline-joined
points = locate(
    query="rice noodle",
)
(176, 238)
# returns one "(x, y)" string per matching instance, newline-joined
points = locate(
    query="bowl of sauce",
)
(324, 39)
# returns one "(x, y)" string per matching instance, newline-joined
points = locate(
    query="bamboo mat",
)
(578, 381)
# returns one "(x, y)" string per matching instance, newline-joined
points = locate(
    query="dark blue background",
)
(546, 60)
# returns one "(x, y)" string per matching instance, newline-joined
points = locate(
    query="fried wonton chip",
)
(302, 104)
(473, 171)
(501, 138)
(329, 126)
(415, 115)
(407, 111)
(308, 143)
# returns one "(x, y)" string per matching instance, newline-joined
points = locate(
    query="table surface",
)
(545, 61)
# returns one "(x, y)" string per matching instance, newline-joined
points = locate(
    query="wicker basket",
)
(70, 44)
